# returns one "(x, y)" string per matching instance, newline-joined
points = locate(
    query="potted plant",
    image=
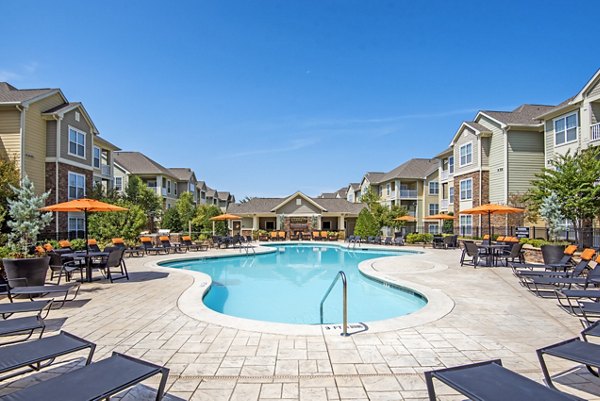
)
(550, 212)
(332, 235)
(26, 222)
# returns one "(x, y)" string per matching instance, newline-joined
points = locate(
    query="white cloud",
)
(20, 73)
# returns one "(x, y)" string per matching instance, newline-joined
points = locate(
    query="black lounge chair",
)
(570, 299)
(96, 381)
(574, 350)
(539, 285)
(575, 272)
(451, 241)
(9, 309)
(187, 242)
(489, 381)
(387, 241)
(148, 247)
(592, 331)
(166, 244)
(38, 354)
(37, 291)
(399, 241)
(22, 325)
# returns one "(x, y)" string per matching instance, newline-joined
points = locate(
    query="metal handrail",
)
(344, 301)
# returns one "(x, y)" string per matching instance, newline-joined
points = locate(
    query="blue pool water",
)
(287, 286)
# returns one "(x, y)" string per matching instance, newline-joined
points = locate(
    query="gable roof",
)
(62, 109)
(524, 115)
(267, 205)
(447, 151)
(354, 186)
(413, 169)
(201, 185)
(342, 192)
(11, 95)
(223, 196)
(573, 101)
(211, 193)
(140, 164)
(300, 194)
(182, 174)
(328, 195)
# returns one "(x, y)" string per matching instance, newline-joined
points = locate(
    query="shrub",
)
(538, 243)
(365, 224)
(78, 244)
(416, 237)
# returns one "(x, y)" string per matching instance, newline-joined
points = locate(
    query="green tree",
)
(573, 178)
(138, 193)
(26, 220)
(186, 208)
(370, 198)
(128, 224)
(550, 211)
(201, 222)
(9, 176)
(389, 216)
(171, 220)
(366, 225)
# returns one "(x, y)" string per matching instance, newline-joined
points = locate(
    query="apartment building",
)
(185, 182)
(57, 145)
(573, 125)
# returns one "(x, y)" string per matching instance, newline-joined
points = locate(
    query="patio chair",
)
(575, 272)
(187, 241)
(377, 240)
(21, 326)
(98, 380)
(113, 260)
(574, 350)
(41, 353)
(370, 239)
(11, 308)
(451, 241)
(387, 241)
(566, 260)
(399, 241)
(166, 244)
(316, 235)
(281, 235)
(540, 285)
(306, 236)
(471, 250)
(64, 244)
(323, 236)
(273, 236)
(295, 236)
(569, 299)
(349, 238)
(593, 330)
(62, 266)
(249, 239)
(490, 381)
(438, 241)
(37, 291)
(149, 247)
(515, 253)
(93, 245)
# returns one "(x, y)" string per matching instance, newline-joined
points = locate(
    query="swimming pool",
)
(287, 286)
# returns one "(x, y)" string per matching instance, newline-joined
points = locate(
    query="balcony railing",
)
(408, 193)
(444, 176)
(105, 169)
(163, 191)
(444, 204)
(595, 132)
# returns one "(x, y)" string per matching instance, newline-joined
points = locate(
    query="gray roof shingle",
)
(138, 163)
(266, 205)
(525, 114)
(10, 94)
(182, 174)
(413, 168)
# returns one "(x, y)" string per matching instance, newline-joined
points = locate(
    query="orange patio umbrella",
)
(406, 218)
(440, 216)
(224, 217)
(492, 208)
(84, 205)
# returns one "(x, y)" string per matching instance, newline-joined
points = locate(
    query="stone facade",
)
(63, 190)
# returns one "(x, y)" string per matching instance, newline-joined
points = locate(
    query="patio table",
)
(87, 256)
(491, 251)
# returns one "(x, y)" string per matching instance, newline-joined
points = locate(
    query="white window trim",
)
(68, 184)
(115, 183)
(94, 156)
(461, 225)
(460, 154)
(451, 197)
(451, 164)
(430, 227)
(460, 190)
(429, 208)
(564, 117)
(69, 142)
(438, 188)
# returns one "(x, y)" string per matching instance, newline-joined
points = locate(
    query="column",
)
(255, 223)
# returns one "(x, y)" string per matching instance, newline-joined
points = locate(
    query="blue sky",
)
(263, 98)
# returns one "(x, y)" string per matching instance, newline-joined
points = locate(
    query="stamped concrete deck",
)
(489, 316)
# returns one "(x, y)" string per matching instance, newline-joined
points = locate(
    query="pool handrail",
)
(344, 301)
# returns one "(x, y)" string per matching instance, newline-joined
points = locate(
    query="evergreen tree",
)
(366, 225)
(26, 221)
(9, 176)
(127, 224)
(186, 208)
(171, 220)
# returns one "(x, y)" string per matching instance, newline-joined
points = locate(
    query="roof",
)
(266, 205)
(342, 192)
(98, 140)
(328, 195)
(138, 163)
(211, 193)
(477, 126)
(224, 196)
(574, 100)
(525, 114)
(443, 153)
(413, 168)
(10, 94)
(60, 110)
(201, 185)
(355, 186)
(182, 174)
(374, 177)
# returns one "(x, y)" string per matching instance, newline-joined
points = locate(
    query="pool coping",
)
(438, 303)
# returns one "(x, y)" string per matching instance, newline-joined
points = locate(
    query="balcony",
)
(163, 191)
(408, 193)
(105, 170)
(445, 175)
(444, 204)
(595, 132)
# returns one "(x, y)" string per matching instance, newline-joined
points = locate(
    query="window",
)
(96, 157)
(433, 228)
(298, 201)
(434, 208)
(565, 129)
(76, 186)
(326, 225)
(451, 165)
(451, 195)
(388, 187)
(151, 184)
(466, 224)
(168, 186)
(434, 188)
(77, 116)
(269, 225)
(191, 187)
(118, 183)
(351, 198)
(76, 143)
(393, 186)
(466, 154)
(466, 189)
(76, 225)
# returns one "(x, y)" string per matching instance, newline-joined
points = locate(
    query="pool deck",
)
(487, 315)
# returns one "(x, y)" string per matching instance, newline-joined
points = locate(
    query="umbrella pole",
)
(85, 223)
(490, 225)
(213, 227)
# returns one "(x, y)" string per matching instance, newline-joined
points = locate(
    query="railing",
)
(595, 132)
(444, 204)
(344, 301)
(444, 175)
(408, 193)
(105, 169)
